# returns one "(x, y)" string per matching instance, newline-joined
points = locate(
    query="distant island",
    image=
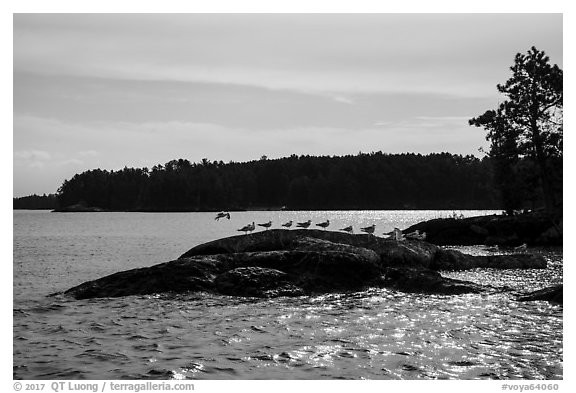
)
(36, 202)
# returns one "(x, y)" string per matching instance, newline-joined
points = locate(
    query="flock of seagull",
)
(396, 234)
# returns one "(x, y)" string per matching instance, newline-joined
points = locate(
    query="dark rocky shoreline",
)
(553, 294)
(532, 229)
(300, 262)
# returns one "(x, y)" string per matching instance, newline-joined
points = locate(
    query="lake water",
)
(374, 334)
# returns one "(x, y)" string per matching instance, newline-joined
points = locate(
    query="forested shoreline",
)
(36, 202)
(363, 181)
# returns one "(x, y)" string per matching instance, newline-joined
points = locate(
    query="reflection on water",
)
(375, 334)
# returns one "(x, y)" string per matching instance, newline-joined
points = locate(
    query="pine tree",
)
(528, 124)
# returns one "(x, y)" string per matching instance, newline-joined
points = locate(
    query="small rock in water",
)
(554, 294)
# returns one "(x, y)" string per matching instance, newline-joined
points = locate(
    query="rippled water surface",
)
(375, 334)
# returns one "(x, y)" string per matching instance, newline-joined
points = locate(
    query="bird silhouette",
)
(416, 235)
(247, 228)
(304, 224)
(522, 247)
(348, 229)
(324, 224)
(222, 215)
(369, 229)
(266, 225)
(398, 235)
(288, 224)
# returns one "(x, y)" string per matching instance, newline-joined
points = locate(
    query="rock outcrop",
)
(181, 275)
(292, 263)
(426, 281)
(384, 252)
(80, 207)
(455, 260)
(531, 229)
(256, 282)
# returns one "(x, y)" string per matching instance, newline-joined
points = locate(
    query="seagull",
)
(417, 235)
(266, 225)
(369, 229)
(348, 229)
(397, 235)
(222, 215)
(287, 224)
(323, 224)
(247, 228)
(413, 235)
(522, 247)
(304, 224)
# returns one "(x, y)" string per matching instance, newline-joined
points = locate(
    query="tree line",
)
(363, 181)
(39, 202)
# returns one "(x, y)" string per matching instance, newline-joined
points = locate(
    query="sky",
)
(114, 90)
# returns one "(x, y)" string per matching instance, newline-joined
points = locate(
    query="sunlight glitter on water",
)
(460, 339)
(374, 334)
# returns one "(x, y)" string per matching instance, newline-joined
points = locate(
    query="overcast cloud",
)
(108, 91)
